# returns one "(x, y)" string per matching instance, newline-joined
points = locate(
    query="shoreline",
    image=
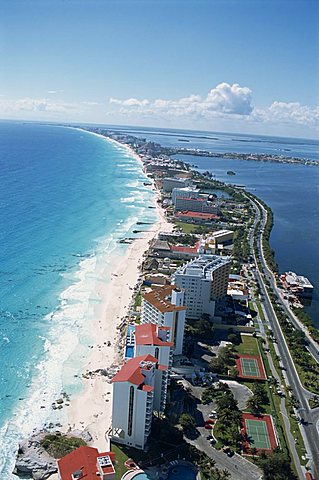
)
(91, 409)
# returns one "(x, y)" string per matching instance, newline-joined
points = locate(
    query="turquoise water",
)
(181, 472)
(66, 197)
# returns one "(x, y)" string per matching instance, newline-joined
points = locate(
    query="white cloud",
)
(223, 102)
(43, 106)
(130, 102)
(292, 112)
(224, 99)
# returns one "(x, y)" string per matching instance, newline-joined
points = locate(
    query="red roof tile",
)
(158, 298)
(146, 334)
(204, 216)
(83, 459)
(131, 370)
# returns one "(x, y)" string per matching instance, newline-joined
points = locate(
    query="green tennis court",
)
(250, 367)
(257, 430)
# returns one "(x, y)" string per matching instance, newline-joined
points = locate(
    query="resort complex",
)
(201, 388)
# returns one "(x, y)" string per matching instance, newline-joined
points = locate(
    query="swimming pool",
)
(141, 476)
(129, 351)
(181, 472)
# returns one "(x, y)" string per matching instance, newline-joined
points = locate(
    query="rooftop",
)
(204, 216)
(148, 334)
(160, 298)
(131, 371)
(203, 266)
(83, 463)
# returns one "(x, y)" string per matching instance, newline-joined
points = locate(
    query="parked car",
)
(208, 426)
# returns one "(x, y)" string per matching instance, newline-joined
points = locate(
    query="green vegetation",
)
(121, 458)
(191, 228)
(306, 365)
(224, 361)
(248, 345)
(187, 422)
(259, 401)
(201, 328)
(276, 466)
(58, 445)
(306, 320)
(227, 428)
(241, 248)
(213, 392)
(314, 402)
(138, 301)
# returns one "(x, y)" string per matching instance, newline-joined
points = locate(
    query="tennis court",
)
(257, 430)
(249, 366)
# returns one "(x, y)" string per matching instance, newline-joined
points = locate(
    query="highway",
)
(310, 417)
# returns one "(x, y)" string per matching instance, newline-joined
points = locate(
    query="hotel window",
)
(130, 412)
(156, 352)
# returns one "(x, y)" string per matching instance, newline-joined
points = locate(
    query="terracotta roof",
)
(146, 334)
(84, 460)
(206, 216)
(147, 388)
(131, 371)
(180, 248)
(158, 298)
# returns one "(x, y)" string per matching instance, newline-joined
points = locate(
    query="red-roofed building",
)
(88, 464)
(197, 217)
(137, 392)
(164, 306)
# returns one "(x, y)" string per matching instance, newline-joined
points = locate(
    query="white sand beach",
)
(91, 410)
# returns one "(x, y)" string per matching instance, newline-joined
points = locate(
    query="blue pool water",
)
(129, 352)
(181, 472)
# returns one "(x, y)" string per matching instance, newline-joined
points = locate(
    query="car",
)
(212, 415)
(208, 426)
(212, 441)
(209, 420)
(209, 437)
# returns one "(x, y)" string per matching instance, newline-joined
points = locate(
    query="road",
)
(311, 417)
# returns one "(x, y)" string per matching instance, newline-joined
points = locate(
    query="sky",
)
(247, 66)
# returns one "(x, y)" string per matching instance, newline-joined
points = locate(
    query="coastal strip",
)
(91, 409)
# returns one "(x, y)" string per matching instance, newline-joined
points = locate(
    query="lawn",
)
(121, 457)
(186, 227)
(248, 345)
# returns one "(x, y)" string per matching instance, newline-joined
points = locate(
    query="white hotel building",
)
(164, 306)
(137, 391)
(204, 281)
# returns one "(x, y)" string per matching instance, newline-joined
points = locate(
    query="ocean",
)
(66, 198)
(292, 191)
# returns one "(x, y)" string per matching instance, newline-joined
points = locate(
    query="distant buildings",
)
(186, 192)
(164, 306)
(173, 182)
(204, 281)
(137, 392)
(86, 463)
(195, 205)
(297, 284)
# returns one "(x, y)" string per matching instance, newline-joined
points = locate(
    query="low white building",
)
(204, 281)
(186, 192)
(137, 390)
(174, 182)
(191, 204)
(164, 306)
